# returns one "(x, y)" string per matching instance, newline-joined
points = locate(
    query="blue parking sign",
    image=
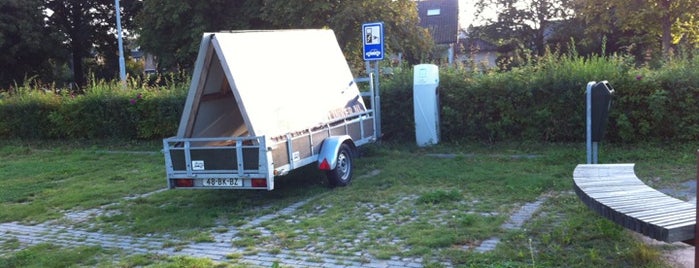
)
(372, 34)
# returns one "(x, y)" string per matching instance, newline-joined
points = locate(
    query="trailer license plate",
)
(223, 182)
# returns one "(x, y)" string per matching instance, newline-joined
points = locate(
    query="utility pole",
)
(122, 67)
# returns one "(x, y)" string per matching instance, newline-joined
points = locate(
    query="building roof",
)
(441, 18)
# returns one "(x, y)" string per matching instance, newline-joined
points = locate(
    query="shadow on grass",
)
(186, 212)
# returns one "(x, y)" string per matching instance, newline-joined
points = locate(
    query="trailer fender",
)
(327, 158)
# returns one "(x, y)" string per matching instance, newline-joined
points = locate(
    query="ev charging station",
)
(426, 102)
(598, 101)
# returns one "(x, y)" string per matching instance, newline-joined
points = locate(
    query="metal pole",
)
(377, 110)
(696, 220)
(122, 64)
(595, 147)
(588, 120)
(372, 99)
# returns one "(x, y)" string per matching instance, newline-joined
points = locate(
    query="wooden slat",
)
(614, 192)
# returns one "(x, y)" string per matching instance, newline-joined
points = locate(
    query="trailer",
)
(263, 103)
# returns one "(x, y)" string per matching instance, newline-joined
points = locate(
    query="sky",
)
(467, 8)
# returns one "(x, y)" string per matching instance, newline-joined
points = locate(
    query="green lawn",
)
(405, 201)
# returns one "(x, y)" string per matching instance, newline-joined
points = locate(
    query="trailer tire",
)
(341, 175)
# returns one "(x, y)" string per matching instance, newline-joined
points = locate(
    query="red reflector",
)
(184, 183)
(324, 165)
(258, 182)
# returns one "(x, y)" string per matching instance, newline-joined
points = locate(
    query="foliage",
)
(521, 25)
(659, 104)
(171, 29)
(106, 110)
(402, 33)
(57, 41)
(26, 46)
(544, 101)
(86, 26)
(644, 20)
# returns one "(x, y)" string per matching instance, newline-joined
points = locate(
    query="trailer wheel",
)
(341, 175)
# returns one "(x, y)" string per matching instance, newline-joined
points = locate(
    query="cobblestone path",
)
(222, 249)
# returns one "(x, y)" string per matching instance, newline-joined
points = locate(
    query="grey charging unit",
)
(598, 101)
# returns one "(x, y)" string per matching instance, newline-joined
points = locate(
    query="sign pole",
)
(377, 109)
(122, 64)
(372, 40)
(696, 220)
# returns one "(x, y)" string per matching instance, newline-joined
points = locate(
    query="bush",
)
(105, 110)
(659, 104)
(539, 101)
(545, 101)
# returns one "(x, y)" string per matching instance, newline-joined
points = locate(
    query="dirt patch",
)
(678, 254)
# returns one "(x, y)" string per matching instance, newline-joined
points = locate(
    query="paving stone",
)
(332, 263)
(414, 265)
(53, 233)
(268, 258)
(488, 245)
(378, 264)
(252, 262)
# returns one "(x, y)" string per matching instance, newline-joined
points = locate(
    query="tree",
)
(670, 21)
(401, 30)
(24, 41)
(87, 26)
(171, 29)
(523, 23)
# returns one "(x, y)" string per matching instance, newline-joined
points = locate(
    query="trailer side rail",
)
(293, 151)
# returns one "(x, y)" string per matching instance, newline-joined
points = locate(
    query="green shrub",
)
(658, 104)
(545, 101)
(539, 101)
(105, 110)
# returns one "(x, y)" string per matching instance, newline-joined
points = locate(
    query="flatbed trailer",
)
(246, 122)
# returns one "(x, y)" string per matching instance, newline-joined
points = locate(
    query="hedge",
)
(105, 110)
(545, 101)
(541, 101)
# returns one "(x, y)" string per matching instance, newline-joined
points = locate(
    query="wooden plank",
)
(586, 183)
(624, 203)
(636, 192)
(640, 210)
(663, 219)
(612, 188)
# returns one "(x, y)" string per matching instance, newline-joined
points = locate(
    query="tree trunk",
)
(666, 24)
(78, 38)
(78, 74)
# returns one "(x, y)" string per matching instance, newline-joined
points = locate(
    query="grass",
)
(40, 183)
(47, 255)
(431, 204)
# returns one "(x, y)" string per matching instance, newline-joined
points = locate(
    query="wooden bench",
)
(614, 192)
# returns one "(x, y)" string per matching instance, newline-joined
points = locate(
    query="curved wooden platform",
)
(614, 192)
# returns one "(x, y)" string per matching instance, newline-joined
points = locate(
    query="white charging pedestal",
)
(426, 103)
